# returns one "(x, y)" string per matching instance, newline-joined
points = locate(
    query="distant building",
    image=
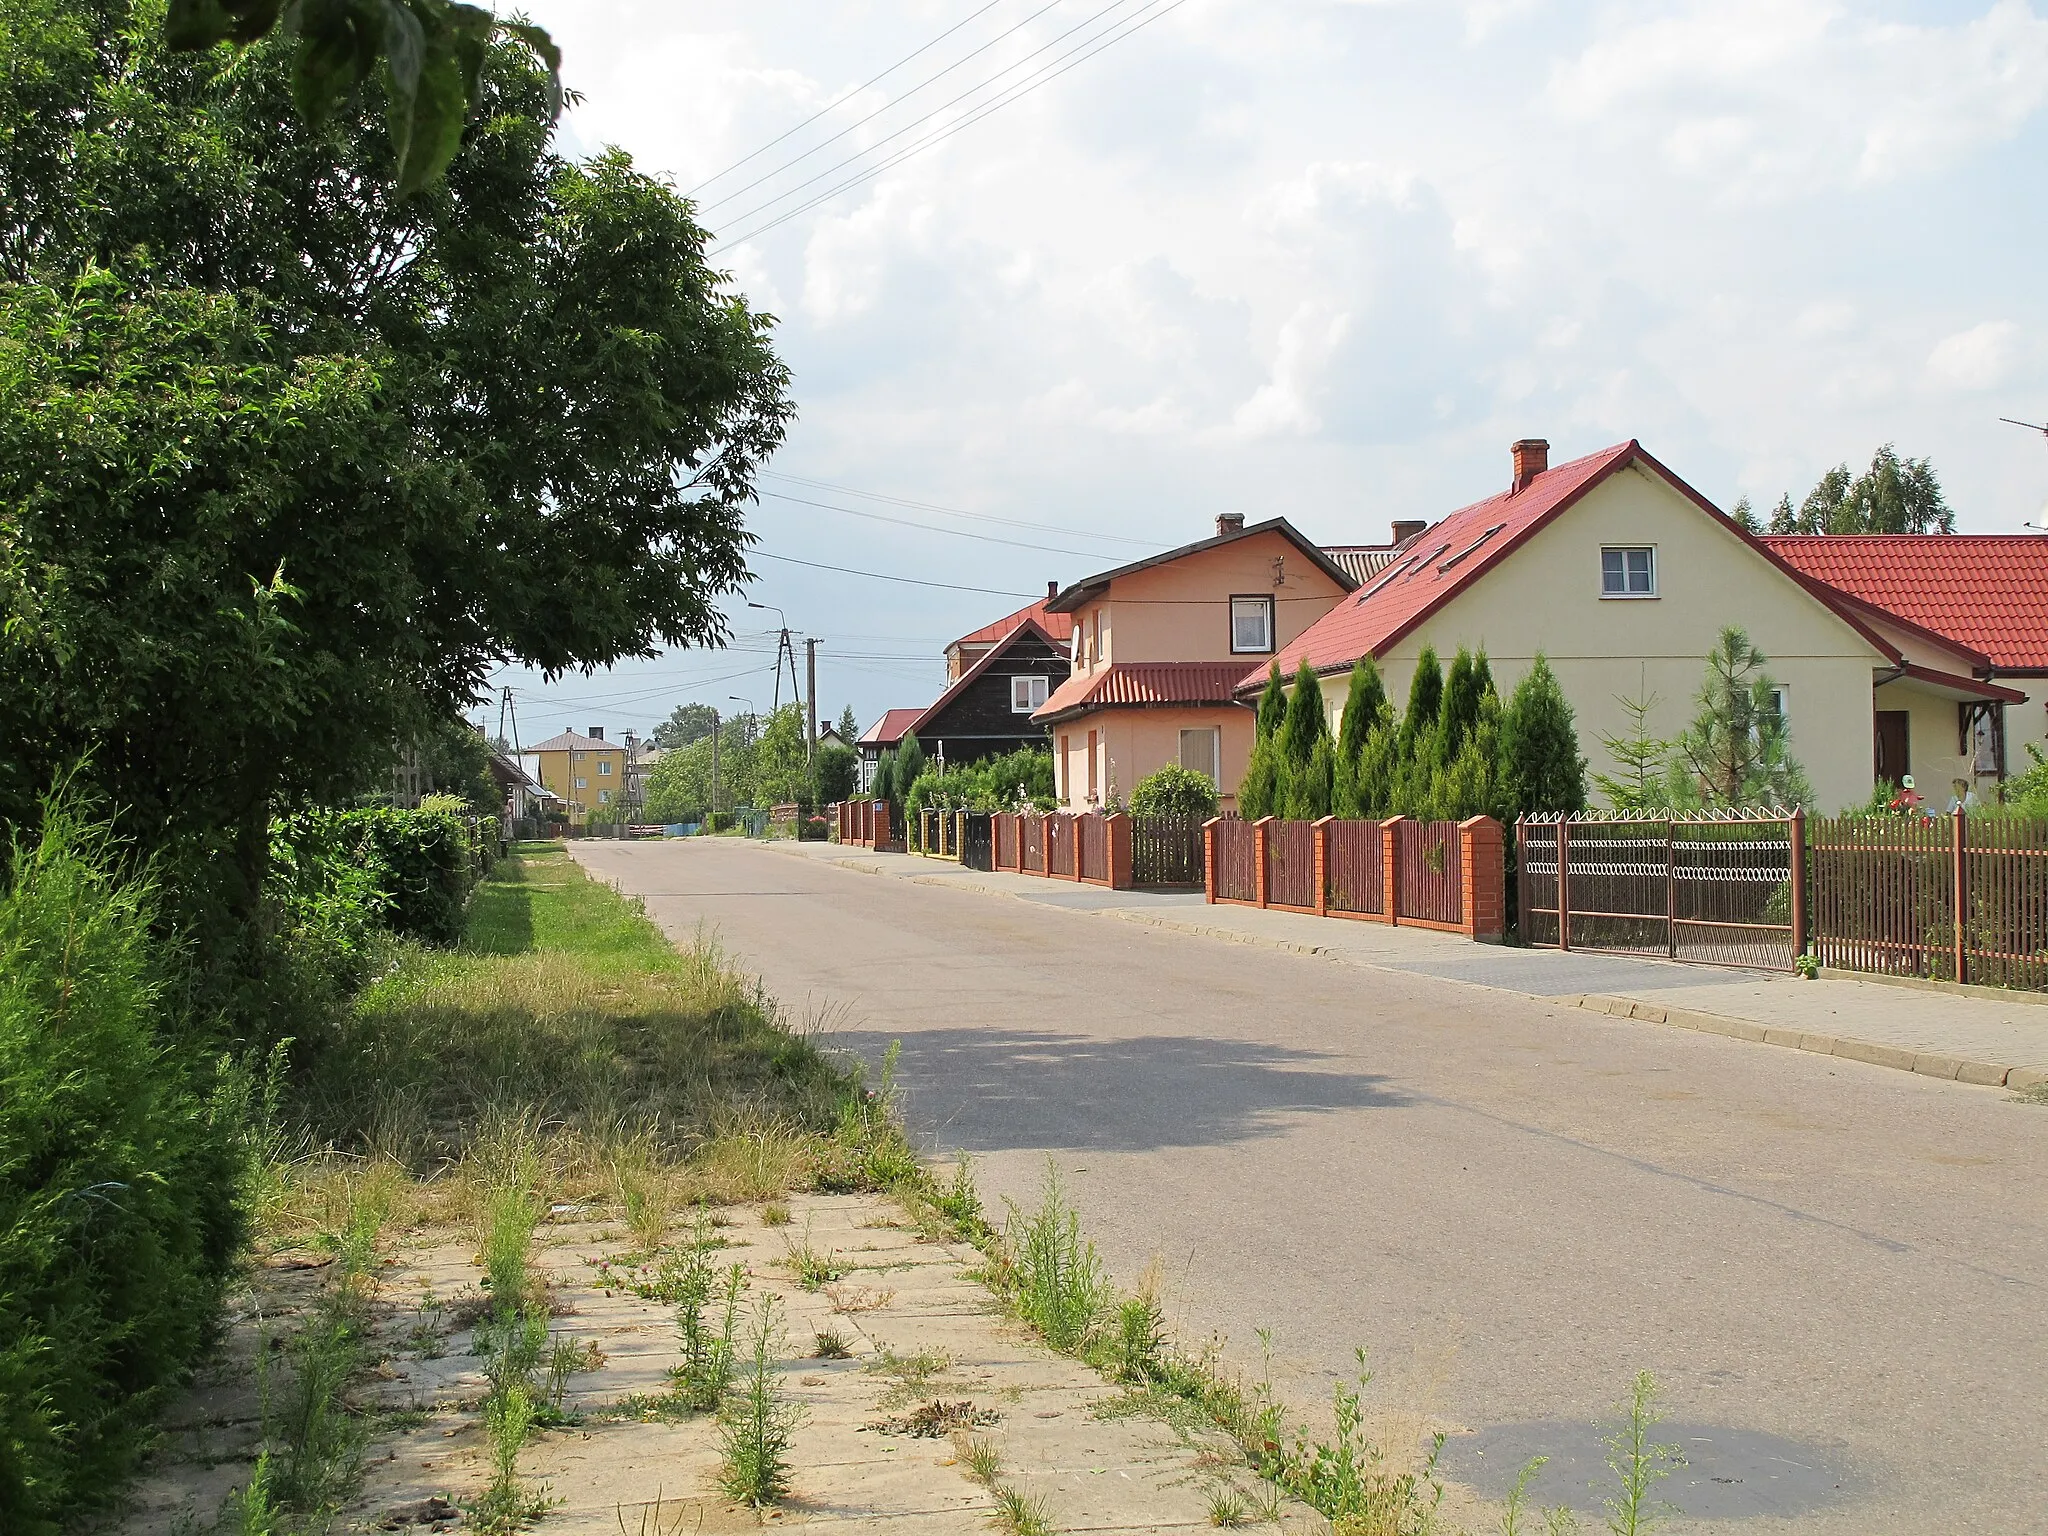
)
(585, 771)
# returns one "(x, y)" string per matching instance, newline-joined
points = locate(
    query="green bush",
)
(120, 1155)
(1174, 791)
(409, 871)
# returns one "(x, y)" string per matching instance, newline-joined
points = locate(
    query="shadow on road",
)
(1006, 1090)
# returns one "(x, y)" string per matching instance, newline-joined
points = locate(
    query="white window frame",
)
(583, 783)
(1264, 605)
(604, 770)
(604, 797)
(1625, 550)
(1213, 768)
(1035, 689)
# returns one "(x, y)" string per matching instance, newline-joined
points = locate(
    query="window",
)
(604, 797)
(583, 783)
(604, 770)
(1628, 572)
(1027, 693)
(1093, 785)
(1251, 624)
(1199, 750)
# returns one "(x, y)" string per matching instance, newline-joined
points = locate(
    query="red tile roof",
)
(1985, 591)
(888, 730)
(1436, 566)
(1057, 626)
(1142, 685)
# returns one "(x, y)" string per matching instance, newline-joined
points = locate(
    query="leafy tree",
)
(459, 761)
(678, 787)
(426, 58)
(688, 723)
(1735, 752)
(1174, 791)
(836, 771)
(1541, 769)
(782, 768)
(1894, 495)
(286, 457)
(1641, 757)
(849, 728)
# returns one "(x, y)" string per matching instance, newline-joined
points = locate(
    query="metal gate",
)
(1717, 889)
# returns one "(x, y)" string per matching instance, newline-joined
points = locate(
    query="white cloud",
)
(1775, 98)
(1978, 359)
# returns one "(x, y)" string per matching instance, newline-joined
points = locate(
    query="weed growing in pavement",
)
(512, 1337)
(983, 1461)
(649, 1201)
(1518, 1495)
(568, 1357)
(2033, 1093)
(1021, 1514)
(831, 1344)
(1348, 1480)
(914, 1375)
(1228, 1509)
(1637, 1461)
(757, 1424)
(1140, 1337)
(507, 1503)
(705, 1374)
(1056, 1277)
(775, 1214)
(813, 1270)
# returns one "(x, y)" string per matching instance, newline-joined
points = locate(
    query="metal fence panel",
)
(1426, 861)
(1237, 872)
(1166, 850)
(1291, 863)
(1355, 873)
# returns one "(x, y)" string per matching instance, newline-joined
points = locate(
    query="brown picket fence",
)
(1093, 848)
(1442, 874)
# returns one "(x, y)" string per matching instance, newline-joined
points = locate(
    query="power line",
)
(858, 122)
(841, 101)
(909, 581)
(931, 506)
(1045, 77)
(958, 533)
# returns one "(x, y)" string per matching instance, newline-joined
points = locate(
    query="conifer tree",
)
(1361, 708)
(1641, 757)
(1304, 778)
(1736, 751)
(1425, 700)
(1376, 784)
(910, 763)
(1541, 769)
(1272, 705)
(1460, 709)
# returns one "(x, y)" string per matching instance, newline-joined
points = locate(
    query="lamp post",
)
(752, 712)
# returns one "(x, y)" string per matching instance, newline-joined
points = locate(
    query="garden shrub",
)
(1174, 791)
(422, 862)
(119, 1177)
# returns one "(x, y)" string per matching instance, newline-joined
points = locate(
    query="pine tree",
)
(1736, 751)
(849, 728)
(1744, 516)
(1641, 757)
(1541, 769)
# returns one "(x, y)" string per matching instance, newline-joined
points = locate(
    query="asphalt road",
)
(1837, 1272)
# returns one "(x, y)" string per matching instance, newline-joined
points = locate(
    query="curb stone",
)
(1927, 1063)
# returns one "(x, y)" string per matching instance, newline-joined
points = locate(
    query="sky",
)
(1320, 259)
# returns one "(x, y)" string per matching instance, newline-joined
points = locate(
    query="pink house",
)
(1158, 646)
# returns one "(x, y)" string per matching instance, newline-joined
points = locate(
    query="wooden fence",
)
(1958, 898)
(1094, 849)
(1166, 850)
(1444, 874)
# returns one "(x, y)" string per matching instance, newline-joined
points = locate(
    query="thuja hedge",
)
(128, 1122)
(120, 1160)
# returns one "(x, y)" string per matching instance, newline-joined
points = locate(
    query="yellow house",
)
(1622, 576)
(588, 772)
(1158, 646)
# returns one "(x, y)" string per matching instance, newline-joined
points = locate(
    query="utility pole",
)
(810, 697)
(714, 769)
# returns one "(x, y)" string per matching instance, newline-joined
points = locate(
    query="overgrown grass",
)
(757, 1423)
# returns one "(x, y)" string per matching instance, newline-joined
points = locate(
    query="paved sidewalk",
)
(1973, 1039)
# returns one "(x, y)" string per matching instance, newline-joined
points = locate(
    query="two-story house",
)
(586, 771)
(1159, 645)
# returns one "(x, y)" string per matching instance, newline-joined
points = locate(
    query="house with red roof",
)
(1158, 647)
(1622, 575)
(995, 678)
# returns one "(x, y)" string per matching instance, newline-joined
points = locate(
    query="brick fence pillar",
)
(1261, 869)
(1323, 866)
(1209, 858)
(1390, 869)
(1482, 867)
(1117, 830)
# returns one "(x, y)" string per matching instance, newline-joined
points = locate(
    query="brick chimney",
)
(596, 733)
(1532, 457)
(1228, 523)
(1406, 528)
(1052, 590)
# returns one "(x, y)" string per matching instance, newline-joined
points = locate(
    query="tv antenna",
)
(2042, 525)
